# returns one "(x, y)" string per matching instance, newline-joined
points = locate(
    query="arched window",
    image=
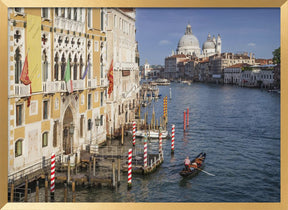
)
(18, 147)
(56, 67)
(89, 68)
(45, 139)
(18, 65)
(75, 68)
(81, 66)
(44, 66)
(63, 66)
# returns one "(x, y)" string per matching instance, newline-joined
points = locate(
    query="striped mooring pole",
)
(145, 152)
(188, 116)
(130, 168)
(52, 185)
(160, 142)
(172, 139)
(184, 121)
(134, 133)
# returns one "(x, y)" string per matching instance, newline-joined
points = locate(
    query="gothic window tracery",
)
(56, 67)
(63, 66)
(18, 65)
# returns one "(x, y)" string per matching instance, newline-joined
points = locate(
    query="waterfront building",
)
(277, 76)
(232, 74)
(203, 67)
(171, 66)
(122, 55)
(261, 76)
(217, 63)
(60, 44)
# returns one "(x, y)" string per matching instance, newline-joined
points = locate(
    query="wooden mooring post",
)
(119, 169)
(122, 135)
(73, 191)
(94, 166)
(113, 174)
(65, 192)
(12, 191)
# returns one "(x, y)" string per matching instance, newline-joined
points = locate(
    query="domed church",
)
(189, 45)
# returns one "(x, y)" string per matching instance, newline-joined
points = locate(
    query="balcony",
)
(59, 86)
(21, 90)
(78, 84)
(92, 83)
(104, 83)
(126, 66)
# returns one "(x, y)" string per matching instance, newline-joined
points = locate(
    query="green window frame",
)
(18, 147)
(45, 139)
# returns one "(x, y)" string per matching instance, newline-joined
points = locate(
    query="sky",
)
(241, 30)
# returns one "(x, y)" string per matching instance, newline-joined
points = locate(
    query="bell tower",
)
(218, 44)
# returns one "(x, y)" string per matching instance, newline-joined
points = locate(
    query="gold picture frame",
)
(5, 4)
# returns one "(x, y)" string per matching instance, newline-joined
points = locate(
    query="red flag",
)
(24, 74)
(110, 78)
(25, 78)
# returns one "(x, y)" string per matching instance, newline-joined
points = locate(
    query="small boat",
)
(155, 134)
(152, 134)
(194, 171)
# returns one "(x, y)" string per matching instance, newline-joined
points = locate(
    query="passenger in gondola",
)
(187, 163)
(194, 165)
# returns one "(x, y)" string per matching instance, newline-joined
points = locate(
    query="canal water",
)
(238, 129)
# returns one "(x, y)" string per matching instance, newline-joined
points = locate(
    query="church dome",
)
(188, 40)
(188, 44)
(208, 45)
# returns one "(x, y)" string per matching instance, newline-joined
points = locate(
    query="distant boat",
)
(152, 134)
(161, 82)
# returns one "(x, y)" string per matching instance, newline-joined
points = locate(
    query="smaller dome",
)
(209, 44)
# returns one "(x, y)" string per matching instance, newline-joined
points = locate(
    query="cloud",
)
(164, 42)
(251, 44)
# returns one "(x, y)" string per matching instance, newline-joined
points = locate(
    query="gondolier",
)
(187, 163)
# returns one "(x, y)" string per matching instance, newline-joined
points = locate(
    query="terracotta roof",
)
(177, 56)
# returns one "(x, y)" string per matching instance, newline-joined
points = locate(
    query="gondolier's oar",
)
(205, 172)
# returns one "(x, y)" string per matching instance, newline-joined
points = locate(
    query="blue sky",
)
(248, 30)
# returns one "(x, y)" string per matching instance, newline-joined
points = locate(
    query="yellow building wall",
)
(96, 18)
(45, 126)
(37, 117)
(19, 132)
(55, 113)
(33, 11)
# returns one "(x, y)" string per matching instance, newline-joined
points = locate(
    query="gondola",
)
(194, 171)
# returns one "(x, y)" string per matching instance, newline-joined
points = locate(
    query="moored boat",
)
(194, 171)
(152, 134)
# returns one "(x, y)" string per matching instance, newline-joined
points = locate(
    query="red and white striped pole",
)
(184, 121)
(145, 152)
(188, 116)
(172, 139)
(160, 142)
(134, 133)
(130, 168)
(52, 186)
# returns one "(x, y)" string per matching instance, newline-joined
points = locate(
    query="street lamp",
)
(71, 131)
